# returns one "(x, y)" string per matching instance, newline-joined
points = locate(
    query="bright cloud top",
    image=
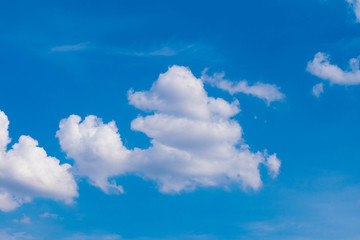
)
(26, 172)
(194, 141)
(321, 67)
(267, 92)
(355, 4)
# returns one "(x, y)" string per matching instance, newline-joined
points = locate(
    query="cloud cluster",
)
(321, 67)
(267, 92)
(355, 4)
(26, 172)
(194, 141)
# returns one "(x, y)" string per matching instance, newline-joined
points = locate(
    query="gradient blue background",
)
(127, 45)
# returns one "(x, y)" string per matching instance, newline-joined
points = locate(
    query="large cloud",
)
(265, 91)
(26, 172)
(194, 141)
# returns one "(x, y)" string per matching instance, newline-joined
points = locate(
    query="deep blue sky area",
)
(59, 58)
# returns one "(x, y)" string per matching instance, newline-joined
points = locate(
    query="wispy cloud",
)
(10, 234)
(318, 89)
(267, 92)
(70, 48)
(24, 219)
(355, 5)
(165, 50)
(49, 215)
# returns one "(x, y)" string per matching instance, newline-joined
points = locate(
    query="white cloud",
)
(267, 92)
(194, 141)
(321, 67)
(273, 164)
(355, 4)
(318, 89)
(96, 148)
(26, 172)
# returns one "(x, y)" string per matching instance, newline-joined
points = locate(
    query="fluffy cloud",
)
(273, 164)
(96, 148)
(355, 4)
(321, 67)
(267, 92)
(318, 89)
(26, 172)
(194, 141)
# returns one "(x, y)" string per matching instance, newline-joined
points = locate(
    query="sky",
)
(191, 120)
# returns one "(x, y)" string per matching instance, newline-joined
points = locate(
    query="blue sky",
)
(250, 132)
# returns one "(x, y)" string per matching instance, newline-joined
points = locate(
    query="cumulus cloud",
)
(194, 141)
(321, 67)
(26, 172)
(355, 4)
(318, 89)
(96, 148)
(267, 92)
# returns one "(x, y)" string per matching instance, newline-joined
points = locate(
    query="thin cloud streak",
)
(267, 92)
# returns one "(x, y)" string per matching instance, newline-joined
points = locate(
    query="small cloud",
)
(25, 219)
(273, 164)
(321, 67)
(267, 92)
(318, 89)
